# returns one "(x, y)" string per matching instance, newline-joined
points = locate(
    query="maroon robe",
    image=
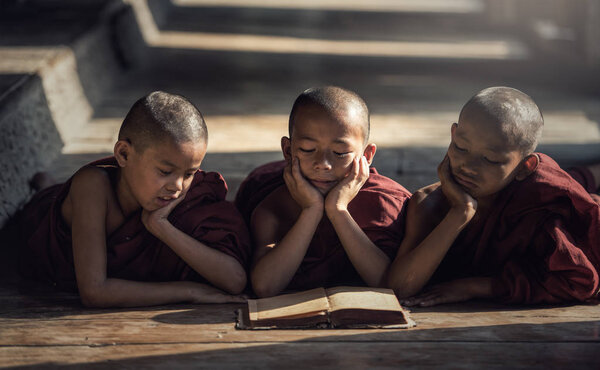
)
(133, 253)
(585, 177)
(540, 241)
(378, 208)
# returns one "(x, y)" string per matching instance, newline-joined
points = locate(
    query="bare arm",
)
(459, 290)
(369, 261)
(423, 248)
(89, 196)
(218, 268)
(276, 261)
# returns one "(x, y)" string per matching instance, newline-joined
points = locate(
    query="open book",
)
(338, 307)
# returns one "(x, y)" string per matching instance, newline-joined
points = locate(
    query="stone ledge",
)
(51, 83)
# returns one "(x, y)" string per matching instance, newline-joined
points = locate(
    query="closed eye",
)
(189, 174)
(341, 154)
(306, 150)
(459, 148)
(490, 161)
(164, 173)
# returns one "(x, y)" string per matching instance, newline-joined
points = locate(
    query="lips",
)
(163, 201)
(464, 181)
(322, 183)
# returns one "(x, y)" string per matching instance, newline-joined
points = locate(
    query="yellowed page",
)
(362, 298)
(293, 305)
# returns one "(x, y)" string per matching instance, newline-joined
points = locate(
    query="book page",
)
(362, 298)
(304, 304)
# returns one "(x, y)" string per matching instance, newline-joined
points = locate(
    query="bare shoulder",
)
(428, 204)
(278, 204)
(90, 187)
(91, 181)
(274, 213)
(429, 196)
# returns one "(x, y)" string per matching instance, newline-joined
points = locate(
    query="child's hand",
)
(306, 195)
(339, 197)
(458, 198)
(451, 292)
(202, 293)
(155, 220)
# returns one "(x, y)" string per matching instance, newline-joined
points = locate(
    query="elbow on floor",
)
(236, 284)
(92, 300)
(263, 290)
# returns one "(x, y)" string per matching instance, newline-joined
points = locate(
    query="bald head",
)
(511, 111)
(339, 104)
(161, 116)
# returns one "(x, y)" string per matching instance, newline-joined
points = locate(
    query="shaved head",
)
(161, 116)
(340, 104)
(513, 112)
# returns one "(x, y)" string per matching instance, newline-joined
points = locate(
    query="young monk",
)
(322, 217)
(504, 222)
(146, 226)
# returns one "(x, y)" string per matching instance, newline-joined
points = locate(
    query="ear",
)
(286, 148)
(122, 152)
(369, 152)
(527, 166)
(453, 128)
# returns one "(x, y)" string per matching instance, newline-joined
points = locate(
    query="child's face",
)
(480, 157)
(162, 173)
(324, 148)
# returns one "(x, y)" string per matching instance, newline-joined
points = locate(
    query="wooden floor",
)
(42, 328)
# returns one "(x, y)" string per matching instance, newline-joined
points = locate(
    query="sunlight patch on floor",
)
(421, 6)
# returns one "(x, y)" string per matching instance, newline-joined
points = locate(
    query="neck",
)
(126, 200)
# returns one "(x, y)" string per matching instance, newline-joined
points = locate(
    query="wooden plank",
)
(457, 355)
(215, 323)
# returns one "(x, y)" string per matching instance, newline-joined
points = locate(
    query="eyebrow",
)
(167, 163)
(337, 141)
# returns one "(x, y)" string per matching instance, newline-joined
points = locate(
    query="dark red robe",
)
(378, 208)
(585, 177)
(133, 253)
(540, 240)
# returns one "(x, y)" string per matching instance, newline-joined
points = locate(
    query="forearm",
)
(276, 268)
(411, 270)
(369, 261)
(481, 287)
(220, 269)
(127, 293)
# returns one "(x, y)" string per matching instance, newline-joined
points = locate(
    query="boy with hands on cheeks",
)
(322, 217)
(146, 226)
(504, 222)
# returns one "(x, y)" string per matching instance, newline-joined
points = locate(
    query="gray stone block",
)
(29, 142)
(42, 109)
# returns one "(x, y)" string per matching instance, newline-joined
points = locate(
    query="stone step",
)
(57, 59)
(395, 20)
(404, 29)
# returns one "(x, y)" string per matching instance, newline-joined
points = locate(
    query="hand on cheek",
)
(303, 192)
(342, 194)
(456, 195)
(154, 221)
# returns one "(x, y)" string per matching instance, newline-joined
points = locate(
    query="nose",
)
(470, 166)
(322, 162)
(175, 184)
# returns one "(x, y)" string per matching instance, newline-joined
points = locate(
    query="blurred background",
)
(70, 70)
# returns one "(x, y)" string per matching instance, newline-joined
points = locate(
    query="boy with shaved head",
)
(504, 222)
(146, 226)
(322, 217)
